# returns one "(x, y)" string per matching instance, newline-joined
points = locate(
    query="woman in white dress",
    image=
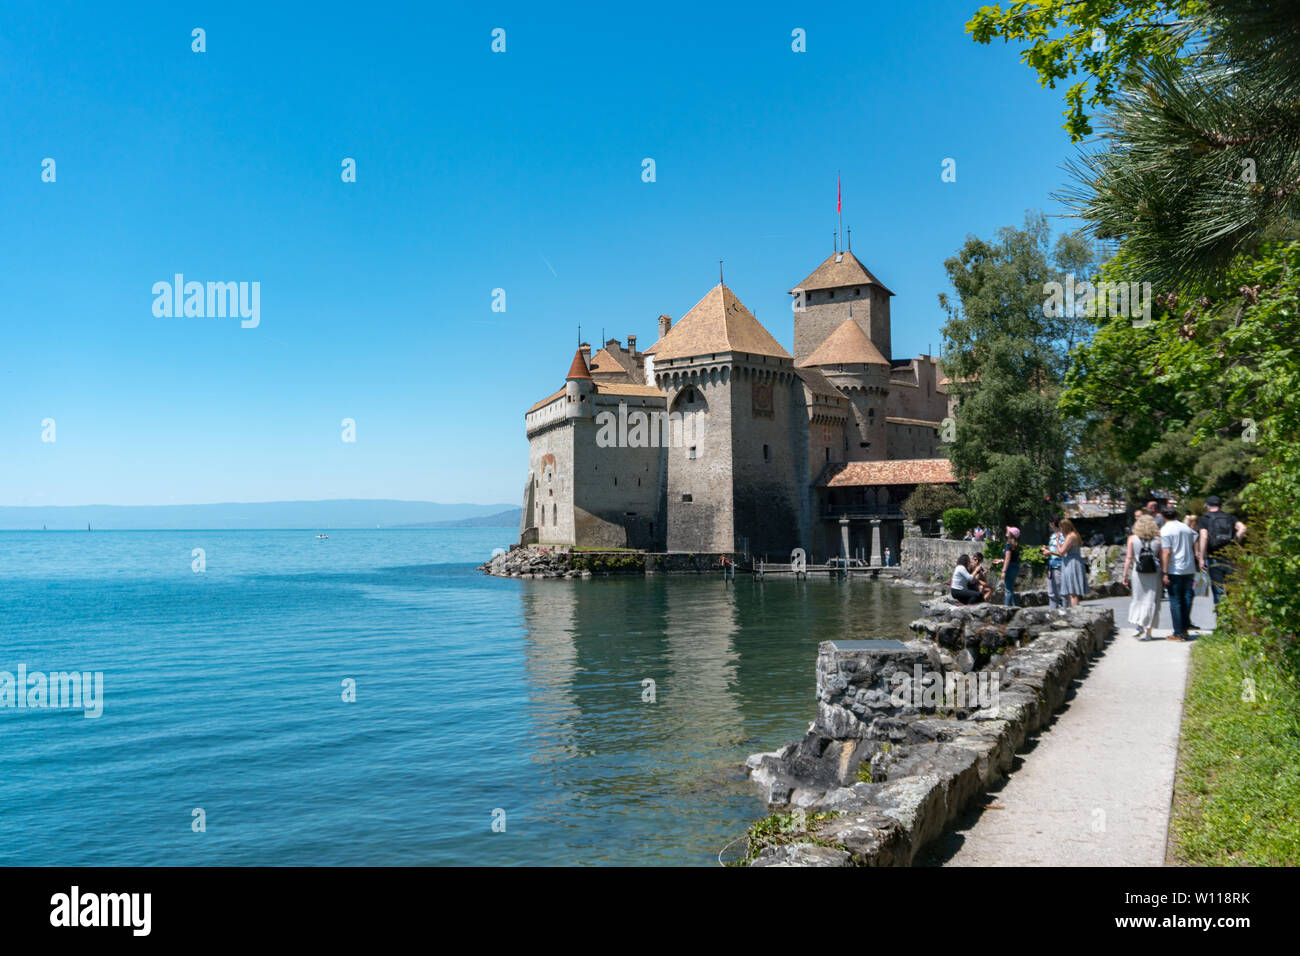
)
(1142, 557)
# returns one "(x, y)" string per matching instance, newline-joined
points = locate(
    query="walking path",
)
(1095, 788)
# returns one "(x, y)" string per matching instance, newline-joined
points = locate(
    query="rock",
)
(802, 854)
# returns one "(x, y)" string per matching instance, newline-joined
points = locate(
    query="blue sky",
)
(475, 171)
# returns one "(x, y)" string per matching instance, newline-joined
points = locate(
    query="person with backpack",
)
(1143, 557)
(1217, 530)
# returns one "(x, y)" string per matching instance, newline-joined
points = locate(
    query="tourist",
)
(1074, 575)
(1143, 557)
(889, 558)
(963, 589)
(970, 536)
(1010, 562)
(1216, 531)
(981, 576)
(1179, 562)
(1153, 509)
(1054, 599)
(979, 534)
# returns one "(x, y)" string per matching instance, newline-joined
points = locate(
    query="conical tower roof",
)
(579, 367)
(847, 345)
(719, 322)
(839, 270)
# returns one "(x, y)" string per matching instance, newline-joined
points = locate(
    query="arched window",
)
(554, 514)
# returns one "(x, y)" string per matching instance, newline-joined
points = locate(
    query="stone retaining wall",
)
(895, 760)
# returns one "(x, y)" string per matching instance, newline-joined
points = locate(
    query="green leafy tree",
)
(957, 521)
(931, 501)
(1098, 43)
(1005, 353)
(1133, 431)
(1244, 342)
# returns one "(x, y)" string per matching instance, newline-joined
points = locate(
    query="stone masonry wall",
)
(883, 773)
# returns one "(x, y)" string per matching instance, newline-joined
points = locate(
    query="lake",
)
(477, 699)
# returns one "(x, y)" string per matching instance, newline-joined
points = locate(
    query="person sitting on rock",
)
(980, 573)
(963, 586)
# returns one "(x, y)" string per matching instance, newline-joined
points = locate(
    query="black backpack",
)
(1146, 559)
(1220, 527)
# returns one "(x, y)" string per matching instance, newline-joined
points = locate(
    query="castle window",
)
(767, 453)
(616, 481)
(692, 453)
(828, 454)
(687, 497)
(831, 294)
(554, 514)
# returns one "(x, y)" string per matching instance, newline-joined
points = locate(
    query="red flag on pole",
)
(837, 194)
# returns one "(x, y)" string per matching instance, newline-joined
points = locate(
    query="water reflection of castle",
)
(787, 446)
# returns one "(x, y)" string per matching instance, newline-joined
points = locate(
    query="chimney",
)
(631, 344)
(585, 349)
(665, 323)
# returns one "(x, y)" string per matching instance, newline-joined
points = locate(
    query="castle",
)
(717, 440)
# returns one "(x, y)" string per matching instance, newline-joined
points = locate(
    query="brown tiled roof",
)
(544, 402)
(831, 274)
(621, 388)
(603, 363)
(905, 471)
(718, 323)
(913, 421)
(579, 367)
(818, 383)
(847, 345)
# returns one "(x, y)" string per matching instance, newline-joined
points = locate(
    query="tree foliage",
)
(931, 501)
(1103, 42)
(1005, 354)
(1135, 431)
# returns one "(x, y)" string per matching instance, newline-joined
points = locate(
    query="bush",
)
(957, 521)
(931, 501)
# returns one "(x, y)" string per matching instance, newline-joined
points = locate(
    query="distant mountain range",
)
(337, 513)
(502, 519)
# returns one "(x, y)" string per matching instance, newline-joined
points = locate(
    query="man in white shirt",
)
(1179, 560)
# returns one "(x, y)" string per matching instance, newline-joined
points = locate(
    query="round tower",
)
(579, 387)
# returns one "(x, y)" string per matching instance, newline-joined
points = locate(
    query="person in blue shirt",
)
(1055, 599)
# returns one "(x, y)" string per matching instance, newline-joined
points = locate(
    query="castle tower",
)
(823, 301)
(579, 387)
(856, 367)
(741, 483)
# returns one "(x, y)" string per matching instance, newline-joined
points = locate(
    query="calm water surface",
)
(223, 691)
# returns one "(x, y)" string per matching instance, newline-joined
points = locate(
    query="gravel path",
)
(1094, 789)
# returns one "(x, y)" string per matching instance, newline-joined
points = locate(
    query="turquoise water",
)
(223, 691)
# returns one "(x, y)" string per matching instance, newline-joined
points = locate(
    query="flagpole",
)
(839, 207)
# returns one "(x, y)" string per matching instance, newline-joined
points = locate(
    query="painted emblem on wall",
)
(548, 466)
(763, 407)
